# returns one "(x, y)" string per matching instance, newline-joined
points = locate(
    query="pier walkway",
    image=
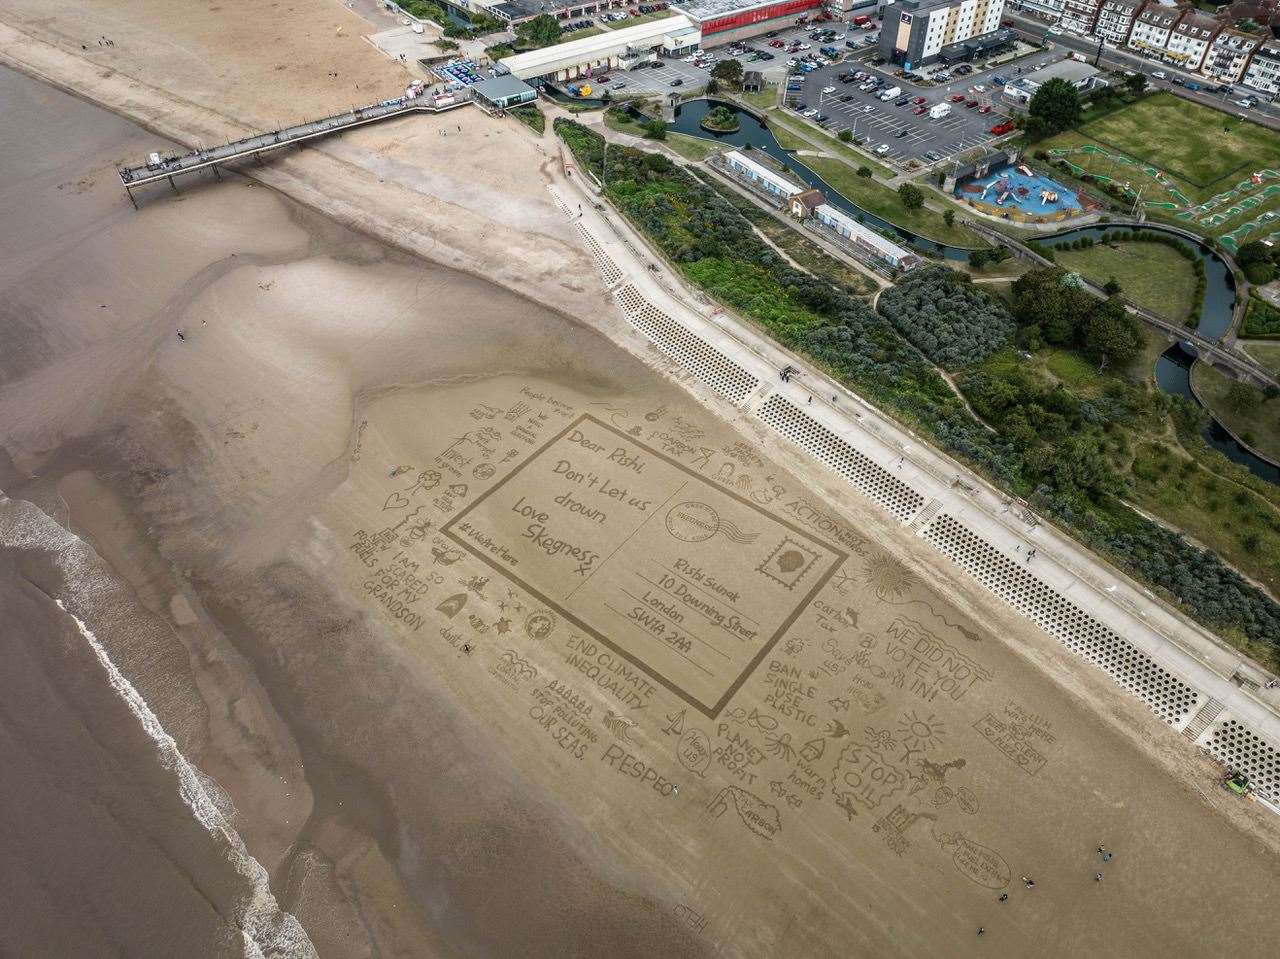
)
(166, 168)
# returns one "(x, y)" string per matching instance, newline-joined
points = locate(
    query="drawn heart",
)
(396, 500)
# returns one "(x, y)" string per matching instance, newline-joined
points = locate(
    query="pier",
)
(166, 168)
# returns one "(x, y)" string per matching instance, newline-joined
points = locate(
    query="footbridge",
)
(161, 167)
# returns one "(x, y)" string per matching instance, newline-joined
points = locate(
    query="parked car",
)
(902, 102)
(920, 111)
(957, 98)
(902, 133)
(810, 113)
(1160, 75)
(1000, 129)
(917, 100)
(970, 104)
(677, 82)
(985, 110)
(868, 109)
(882, 149)
(933, 156)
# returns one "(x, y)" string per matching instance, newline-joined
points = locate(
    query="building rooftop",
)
(1073, 71)
(500, 88)
(536, 63)
(711, 9)
(1160, 16)
(1198, 25)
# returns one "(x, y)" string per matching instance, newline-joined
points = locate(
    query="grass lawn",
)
(762, 100)
(1152, 275)
(1268, 354)
(1258, 425)
(785, 130)
(881, 200)
(1202, 153)
(691, 148)
(1203, 147)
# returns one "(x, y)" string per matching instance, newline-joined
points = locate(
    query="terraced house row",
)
(1183, 37)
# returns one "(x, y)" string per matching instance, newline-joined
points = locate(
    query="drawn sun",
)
(888, 577)
(918, 734)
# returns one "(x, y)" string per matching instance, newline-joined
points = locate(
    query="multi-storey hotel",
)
(916, 32)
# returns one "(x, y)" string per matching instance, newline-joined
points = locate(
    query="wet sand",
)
(292, 537)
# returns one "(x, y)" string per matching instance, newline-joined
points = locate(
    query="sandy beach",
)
(462, 628)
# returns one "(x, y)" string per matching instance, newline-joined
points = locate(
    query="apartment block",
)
(1263, 71)
(1152, 28)
(1116, 19)
(1190, 39)
(1080, 15)
(922, 28)
(1229, 55)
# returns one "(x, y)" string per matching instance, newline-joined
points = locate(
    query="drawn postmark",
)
(627, 545)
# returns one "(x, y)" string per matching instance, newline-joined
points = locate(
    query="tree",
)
(845, 136)
(542, 31)
(977, 258)
(864, 172)
(1137, 83)
(1110, 336)
(1041, 297)
(949, 217)
(911, 196)
(1256, 260)
(730, 71)
(1054, 107)
(1241, 397)
(655, 130)
(1112, 286)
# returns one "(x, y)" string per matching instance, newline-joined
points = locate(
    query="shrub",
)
(912, 196)
(845, 136)
(864, 172)
(953, 323)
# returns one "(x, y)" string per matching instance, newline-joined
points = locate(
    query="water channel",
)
(1173, 369)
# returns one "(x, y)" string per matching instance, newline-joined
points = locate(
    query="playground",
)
(1020, 193)
(1192, 165)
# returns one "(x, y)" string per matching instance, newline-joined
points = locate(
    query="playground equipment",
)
(1048, 196)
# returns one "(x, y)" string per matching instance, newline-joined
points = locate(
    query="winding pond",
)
(1173, 369)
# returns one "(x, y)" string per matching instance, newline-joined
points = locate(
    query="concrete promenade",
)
(1146, 636)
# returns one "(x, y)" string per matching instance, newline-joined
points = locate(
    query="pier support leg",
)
(172, 185)
(216, 173)
(131, 199)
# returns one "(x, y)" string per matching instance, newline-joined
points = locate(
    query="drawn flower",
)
(888, 577)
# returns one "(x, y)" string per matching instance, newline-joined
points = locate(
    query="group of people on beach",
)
(1030, 883)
